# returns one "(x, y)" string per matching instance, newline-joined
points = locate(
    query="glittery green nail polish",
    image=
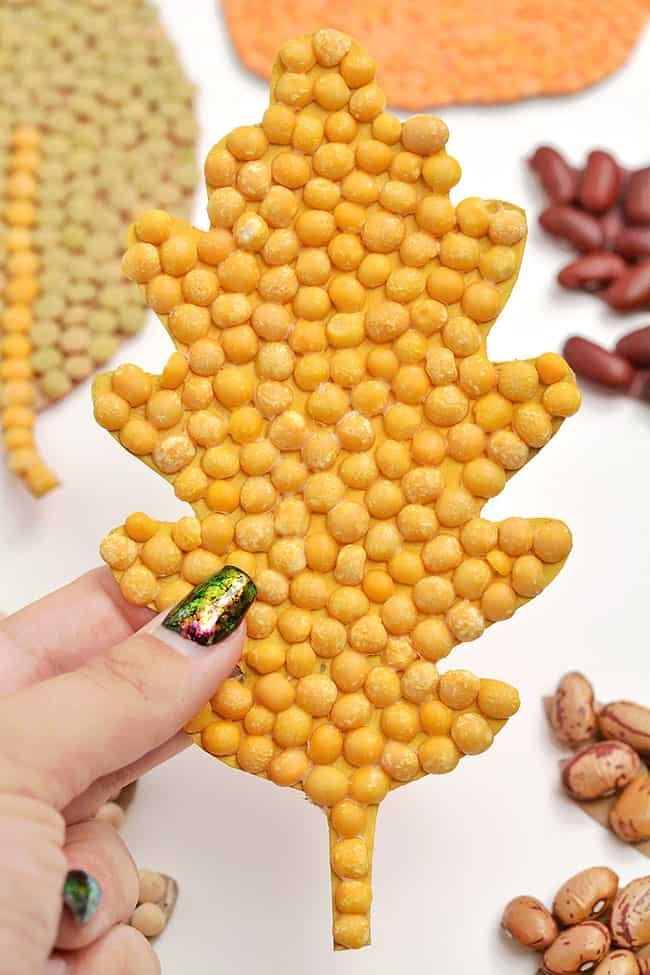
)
(81, 895)
(214, 608)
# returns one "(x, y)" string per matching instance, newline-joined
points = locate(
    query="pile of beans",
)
(626, 369)
(604, 212)
(156, 902)
(614, 743)
(593, 926)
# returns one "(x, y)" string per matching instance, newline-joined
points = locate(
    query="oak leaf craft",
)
(332, 417)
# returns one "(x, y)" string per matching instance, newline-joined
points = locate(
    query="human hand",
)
(93, 701)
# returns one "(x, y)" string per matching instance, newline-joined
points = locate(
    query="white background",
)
(251, 859)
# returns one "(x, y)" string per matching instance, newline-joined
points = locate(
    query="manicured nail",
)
(81, 895)
(214, 609)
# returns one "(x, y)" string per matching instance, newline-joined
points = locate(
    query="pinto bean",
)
(629, 817)
(578, 949)
(643, 960)
(618, 962)
(600, 770)
(586, 896)
(572, 715)
(527, 921)
(630, 918)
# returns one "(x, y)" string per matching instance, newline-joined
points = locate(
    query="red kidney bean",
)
(637, 196)
(611, 223)
(556, 176)
(633, 242)
(601, 182)
(592, 271)
(593, 362)
(631, 290)
(635, 346)
(581, 229)
(640, 386)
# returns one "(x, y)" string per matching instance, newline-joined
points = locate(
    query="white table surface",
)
(251, 859)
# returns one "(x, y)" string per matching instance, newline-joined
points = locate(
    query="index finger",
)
(64, 629)
(59, 736)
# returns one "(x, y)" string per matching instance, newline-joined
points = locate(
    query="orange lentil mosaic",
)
(19, 293)
(332, 418)
(101, 83)
(458, 51)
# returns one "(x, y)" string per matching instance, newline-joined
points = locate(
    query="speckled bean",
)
(578, 949)
(586, 896)
(600, 770)
(643, 960)
(527, 921)
(629, 817)
(572, 714)
(630, 918)
(618, 962)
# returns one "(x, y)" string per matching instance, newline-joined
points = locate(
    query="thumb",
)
(58, 737)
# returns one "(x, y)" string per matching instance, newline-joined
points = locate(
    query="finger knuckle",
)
(121, 673)
(133, 953)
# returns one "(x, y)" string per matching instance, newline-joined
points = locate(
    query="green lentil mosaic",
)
(102, 82)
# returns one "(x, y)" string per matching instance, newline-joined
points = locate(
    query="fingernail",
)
(214, 609)
(81, 895)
